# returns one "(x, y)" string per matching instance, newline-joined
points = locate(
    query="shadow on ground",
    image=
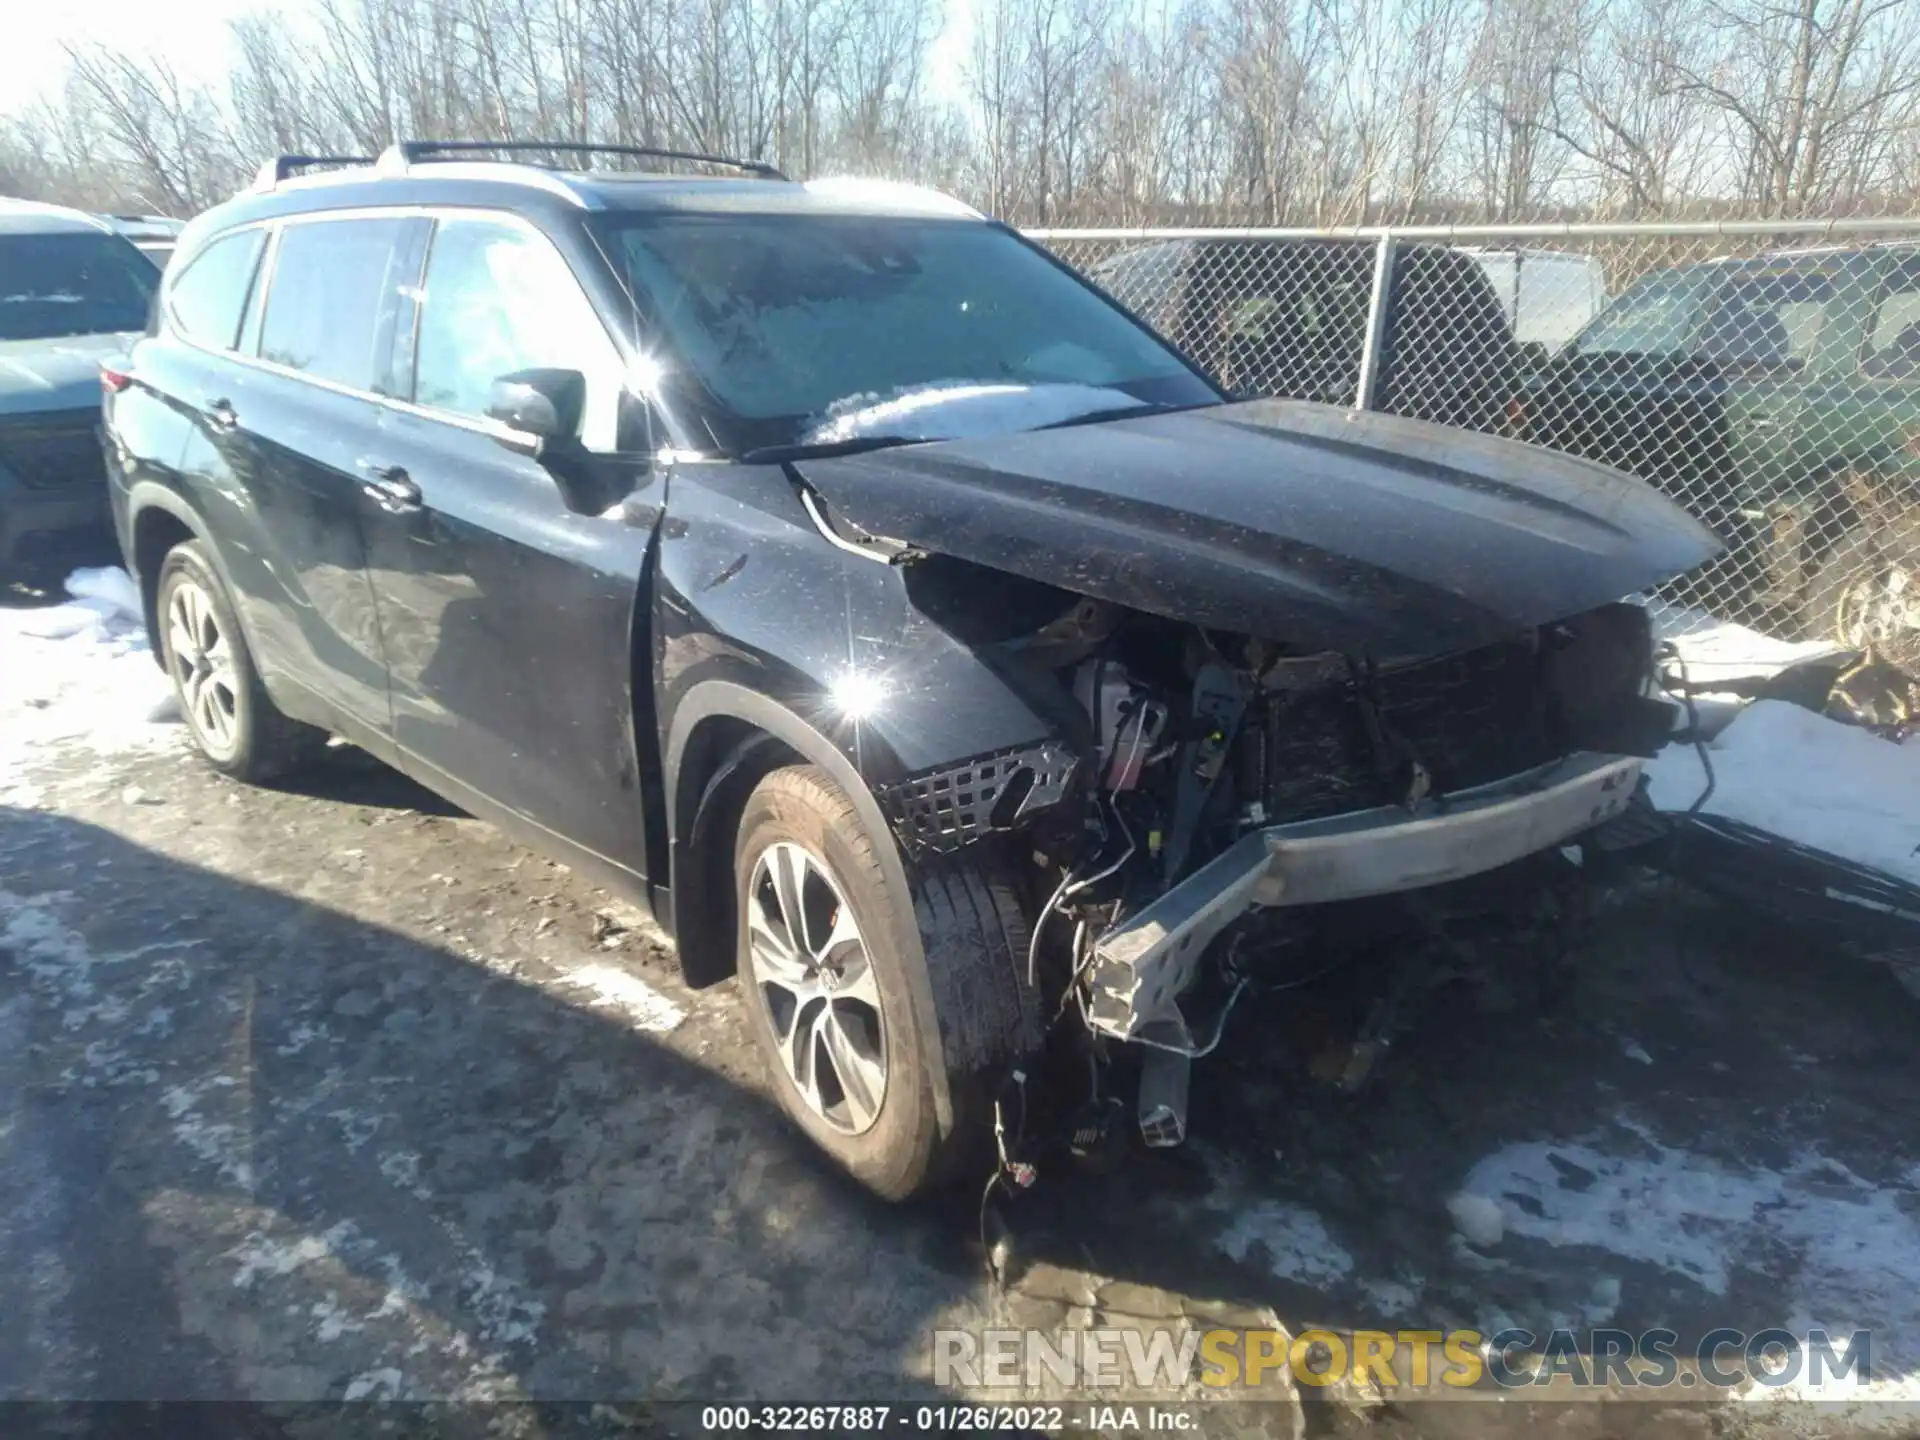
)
(260, 1148)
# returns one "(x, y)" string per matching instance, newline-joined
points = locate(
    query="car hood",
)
(58, 374)
(1321, 528)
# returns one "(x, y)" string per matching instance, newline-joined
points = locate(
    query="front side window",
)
(206, 298)
(500, 299)
(774, 325)
(331, 285)
(1654, 316)
(72, 284)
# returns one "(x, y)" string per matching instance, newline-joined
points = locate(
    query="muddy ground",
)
(331, 1092)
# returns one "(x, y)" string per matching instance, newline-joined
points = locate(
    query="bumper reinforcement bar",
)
(1142, 966)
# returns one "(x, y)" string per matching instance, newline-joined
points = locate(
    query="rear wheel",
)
(1866, 594)
(821, 937)
(233, 722)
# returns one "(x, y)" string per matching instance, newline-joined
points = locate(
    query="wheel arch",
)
(724, 737)
(158, 520)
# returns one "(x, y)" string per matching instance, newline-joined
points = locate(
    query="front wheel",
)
(1866, 594)
(822, 971)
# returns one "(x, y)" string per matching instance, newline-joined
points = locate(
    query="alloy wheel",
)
(1881, 611)
(201, 657)
(812, 973)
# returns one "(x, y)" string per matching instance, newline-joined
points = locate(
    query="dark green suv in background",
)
(1779, 398)
(73, 292)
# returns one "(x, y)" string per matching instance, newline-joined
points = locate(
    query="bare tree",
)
(1812, 92)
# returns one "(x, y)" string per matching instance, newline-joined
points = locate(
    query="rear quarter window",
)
(206, 298)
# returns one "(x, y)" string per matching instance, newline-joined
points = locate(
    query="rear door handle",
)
(221, 414)
(390, 487)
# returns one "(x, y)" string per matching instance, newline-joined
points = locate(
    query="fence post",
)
(1376, 321)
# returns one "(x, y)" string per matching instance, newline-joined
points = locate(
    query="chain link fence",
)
(1766, 375)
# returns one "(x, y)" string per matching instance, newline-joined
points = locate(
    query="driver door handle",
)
(390, 487)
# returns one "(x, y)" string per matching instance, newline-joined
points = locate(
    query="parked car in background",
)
(1546, 295)
(1288, 318)
(1779, 397)
(152, 235)
(72, 292)
(833, 570)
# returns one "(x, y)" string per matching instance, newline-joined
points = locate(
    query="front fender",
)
(749, 591)
(760, 625)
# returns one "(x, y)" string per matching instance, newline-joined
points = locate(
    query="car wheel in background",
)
(828, 996)
(1866, 594)
(227, 712)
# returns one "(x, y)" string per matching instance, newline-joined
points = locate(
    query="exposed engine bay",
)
(1205, 783)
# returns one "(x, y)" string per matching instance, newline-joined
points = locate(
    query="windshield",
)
(777, 328)
(1655, 316)
(72, 284)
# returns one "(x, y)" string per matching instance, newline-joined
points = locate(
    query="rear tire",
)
(829, 999)
(228, 713)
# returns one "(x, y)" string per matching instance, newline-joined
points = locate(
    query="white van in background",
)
(1547, 294)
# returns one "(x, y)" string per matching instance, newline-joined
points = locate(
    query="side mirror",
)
(538, 407)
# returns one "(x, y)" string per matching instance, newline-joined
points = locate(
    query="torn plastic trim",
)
(1140, 968)
(950, 808)
(868, 547)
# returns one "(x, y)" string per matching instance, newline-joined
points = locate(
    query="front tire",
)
(228, 713)
(820, 941)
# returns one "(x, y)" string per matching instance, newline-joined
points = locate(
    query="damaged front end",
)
(1286, 656)
(1204, 783)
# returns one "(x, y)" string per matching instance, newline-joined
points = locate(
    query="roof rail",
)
(410, 152)
(285, 167)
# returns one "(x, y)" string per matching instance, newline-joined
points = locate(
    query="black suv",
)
(833, 570)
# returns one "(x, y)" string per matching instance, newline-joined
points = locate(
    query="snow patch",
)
(385, 1383)
(612, 987)
(1478, 1219)
(956, 410)
(1713, 649)
(261, 1255)
(1805, 778)
(1854, 1247)
(1295, 1239)
(79, 673)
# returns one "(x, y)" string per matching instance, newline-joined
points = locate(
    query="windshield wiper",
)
(823, 449)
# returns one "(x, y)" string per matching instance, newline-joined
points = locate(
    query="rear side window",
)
(324, 309)
(206, 299)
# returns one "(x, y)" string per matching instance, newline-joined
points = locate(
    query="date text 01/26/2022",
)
(944, 1419)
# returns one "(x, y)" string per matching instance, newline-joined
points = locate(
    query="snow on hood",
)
(956, 410)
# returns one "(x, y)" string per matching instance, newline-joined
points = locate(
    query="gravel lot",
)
(330, 1092)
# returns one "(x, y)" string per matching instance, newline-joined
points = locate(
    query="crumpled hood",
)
(60, 374)
(1321, 528)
